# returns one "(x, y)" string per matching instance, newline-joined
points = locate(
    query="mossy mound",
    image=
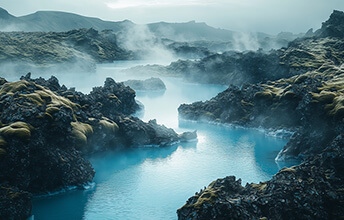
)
(266, 95)
(36, 94)
(80, 132)
(13, 87)
(18, 130)
(108, 126)
(324, 96)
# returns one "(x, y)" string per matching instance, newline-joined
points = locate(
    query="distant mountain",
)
(182, 32)
(56, 21)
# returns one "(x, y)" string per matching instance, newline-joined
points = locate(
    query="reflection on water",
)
(152, 183)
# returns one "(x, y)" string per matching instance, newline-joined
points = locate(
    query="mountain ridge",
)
(59, 21)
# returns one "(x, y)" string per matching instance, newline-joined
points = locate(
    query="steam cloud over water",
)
(140, 39)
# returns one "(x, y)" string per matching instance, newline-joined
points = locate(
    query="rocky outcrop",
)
(81, 48)
(151, 84)
(333, 27)
(312, 190)
(46, 131)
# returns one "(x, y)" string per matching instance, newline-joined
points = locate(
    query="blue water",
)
(152, 183)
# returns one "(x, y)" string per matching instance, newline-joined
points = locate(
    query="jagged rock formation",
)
(151, 84)
(333, 27)
(46, 130)
(83, 48)
(310, 104)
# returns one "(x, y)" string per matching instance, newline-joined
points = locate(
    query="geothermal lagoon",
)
(152, 183)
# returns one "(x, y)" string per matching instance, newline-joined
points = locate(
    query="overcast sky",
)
(271, 16)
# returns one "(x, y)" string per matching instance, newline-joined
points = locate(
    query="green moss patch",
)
(13, 87)
(266, 95)
(259, 187)
(80, 132)
(288, 169)
(324, 96)
(208, 197)
(108, 125)
(3, 143)
(19, 130)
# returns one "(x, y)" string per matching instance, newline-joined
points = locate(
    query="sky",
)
(269, 16)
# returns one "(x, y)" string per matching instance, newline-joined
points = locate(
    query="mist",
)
(246, 16)
(144, 44)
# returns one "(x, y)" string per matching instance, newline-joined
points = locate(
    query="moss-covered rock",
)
(80, 132)
(18, 130)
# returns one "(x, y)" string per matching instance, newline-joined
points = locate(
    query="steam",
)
(142, 41)
(245, 41)
(10, 28)
(13, 70)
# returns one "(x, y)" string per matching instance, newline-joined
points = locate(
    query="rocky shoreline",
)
(48, 130)
(310, 104)
(312, 190)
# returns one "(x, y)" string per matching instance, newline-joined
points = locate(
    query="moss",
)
(336, 109)
(288, 169)
(289, 95)
(209, 115)
(244, 103)
(13, 87)
(208, 197)
(52, 110)
(79, 137)
(3, 143)
(112, 96)
(34, 97)
(324, 96)
(2, 152)
(267, 95)
(19, 130)
(108, 125)
(80, 132)
(336, 83)
(83, 127)
(38, 95)
(70, 96)
(14, 195)
(56, 100)
(259, 187)
(300, 79)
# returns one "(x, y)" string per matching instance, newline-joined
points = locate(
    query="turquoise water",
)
(152, 183)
